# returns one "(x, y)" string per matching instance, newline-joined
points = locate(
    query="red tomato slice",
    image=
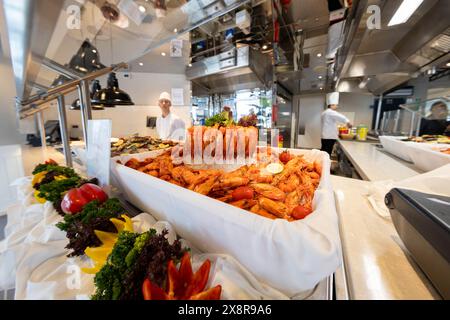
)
(300, 212)
(242, 193)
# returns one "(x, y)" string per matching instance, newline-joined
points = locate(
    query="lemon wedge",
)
(274, 168)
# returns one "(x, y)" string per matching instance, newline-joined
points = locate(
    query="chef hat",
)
(165, 96)
(332, 98)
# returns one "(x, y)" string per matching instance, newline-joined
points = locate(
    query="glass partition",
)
(431, 109)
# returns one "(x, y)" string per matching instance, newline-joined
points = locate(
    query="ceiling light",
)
(163, 54)
(264, 47)
(175, 30)
(320, 77)
(141, 64)
(404, 12)
(319, 55)
(321, 88)
(448, 64)
(190, 64)
(142, 9)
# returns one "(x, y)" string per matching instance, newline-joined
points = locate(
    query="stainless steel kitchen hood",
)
(236, 69)
(381, 59)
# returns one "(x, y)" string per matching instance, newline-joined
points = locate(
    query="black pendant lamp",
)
(96, 87)
(112, 95)
(87, 59)
(76, 105)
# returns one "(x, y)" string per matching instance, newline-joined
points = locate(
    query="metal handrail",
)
(39, 99)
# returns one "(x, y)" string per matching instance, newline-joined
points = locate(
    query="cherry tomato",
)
(242, 193)
(285, 157)
(300, 212)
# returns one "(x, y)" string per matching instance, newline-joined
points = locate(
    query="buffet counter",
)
(33, 155)
(372, 164)
(376, 264)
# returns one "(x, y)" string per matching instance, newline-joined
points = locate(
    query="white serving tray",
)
(398, 148)
(426, 158)
(292, 257)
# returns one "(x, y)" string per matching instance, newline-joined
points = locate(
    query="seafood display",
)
(429, 139)
(137, 144)
(286, 194)
(442, 150)
(227, 138)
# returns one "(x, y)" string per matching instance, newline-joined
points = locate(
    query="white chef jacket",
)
(170, 127)
(330, 120)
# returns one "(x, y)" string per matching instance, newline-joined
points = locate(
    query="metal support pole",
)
(397, 120)
(419, 122)
(411, 128)
(83, 114)
(85, 106)
(64, 132)
(41, 127)
(377, 120)
(389, 118)
(87, 96)
(383, 122)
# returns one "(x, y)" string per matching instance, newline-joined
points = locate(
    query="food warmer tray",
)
(423, 223)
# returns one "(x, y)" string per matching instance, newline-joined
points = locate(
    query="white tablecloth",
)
(33, 257)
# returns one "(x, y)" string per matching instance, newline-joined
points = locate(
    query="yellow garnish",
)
(120, 225)
(38, 177)
(39, 199)
(99, 255)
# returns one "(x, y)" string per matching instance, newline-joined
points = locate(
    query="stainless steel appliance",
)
(423, 223)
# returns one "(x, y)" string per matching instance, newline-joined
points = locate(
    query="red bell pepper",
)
(182, 284)
(75, 199)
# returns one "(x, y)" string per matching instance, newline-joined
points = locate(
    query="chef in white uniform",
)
(330, 120)
(169, 126)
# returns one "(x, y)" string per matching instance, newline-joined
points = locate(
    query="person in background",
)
(436, 123)
(330, 119)
(228, 110)
(169, 126)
